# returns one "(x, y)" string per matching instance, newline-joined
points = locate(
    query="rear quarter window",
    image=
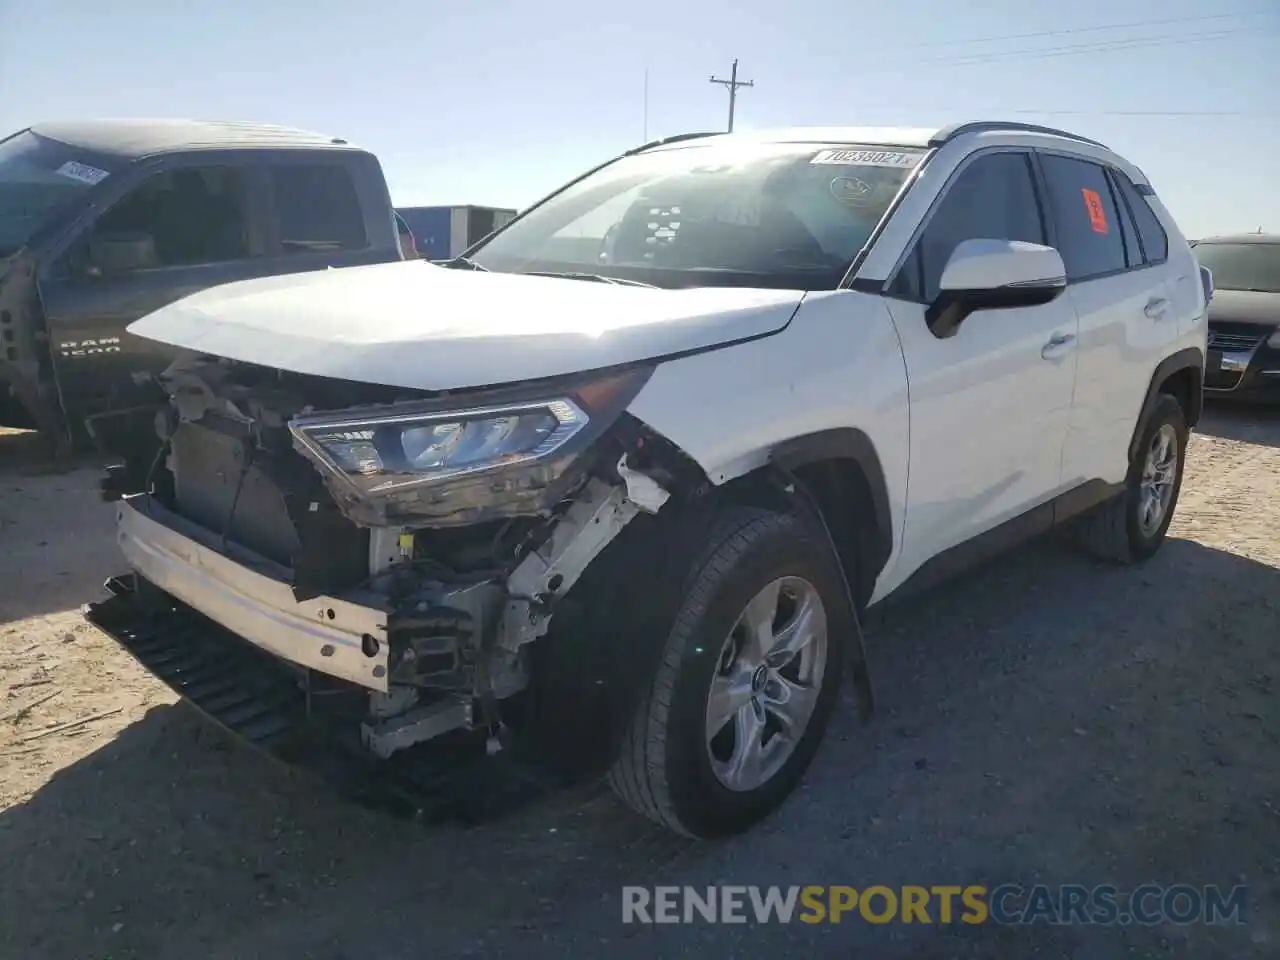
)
(1155, 242)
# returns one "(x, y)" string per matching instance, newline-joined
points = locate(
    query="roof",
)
(139, 138)
(920, 137)
(984, 131)
(888, 136)
(1243, 238)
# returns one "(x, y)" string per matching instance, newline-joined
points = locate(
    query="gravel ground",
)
(1047, 719)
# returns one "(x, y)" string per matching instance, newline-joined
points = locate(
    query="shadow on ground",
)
(1251, 423)
(1045, 720)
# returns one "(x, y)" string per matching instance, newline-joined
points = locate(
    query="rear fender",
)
(1191, 359)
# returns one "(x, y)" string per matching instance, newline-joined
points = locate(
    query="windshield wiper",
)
(462, 263)
(592, 277)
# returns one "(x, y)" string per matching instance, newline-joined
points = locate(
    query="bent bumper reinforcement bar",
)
(250, 596)
(265, 702)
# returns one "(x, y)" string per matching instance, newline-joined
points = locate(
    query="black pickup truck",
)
(104, 221)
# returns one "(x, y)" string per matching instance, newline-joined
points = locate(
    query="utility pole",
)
(733, 83)
(646, 106)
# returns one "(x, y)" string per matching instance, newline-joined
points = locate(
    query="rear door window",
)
(317, 208)
(1090, 235)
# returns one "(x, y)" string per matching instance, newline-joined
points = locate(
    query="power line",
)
(1069, 50)
(1076, 30)
(1145, 113)
(1098, 46)
(1046, 53)
(1172, 114)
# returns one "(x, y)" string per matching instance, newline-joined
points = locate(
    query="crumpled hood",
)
(415, 325)
(1245, 306)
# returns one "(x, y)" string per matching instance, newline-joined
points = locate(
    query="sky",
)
(500, 102)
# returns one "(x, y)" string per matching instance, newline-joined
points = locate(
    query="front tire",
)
(747, 681)
(1132, 527)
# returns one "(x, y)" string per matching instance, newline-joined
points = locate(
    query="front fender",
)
(834, 376)
(844, 444)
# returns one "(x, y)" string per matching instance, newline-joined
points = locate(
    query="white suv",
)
(619, 483)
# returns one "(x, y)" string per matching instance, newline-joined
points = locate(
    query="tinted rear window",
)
(317, 208)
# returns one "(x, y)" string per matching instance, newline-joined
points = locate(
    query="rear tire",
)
(689, 759)
(1132, 527)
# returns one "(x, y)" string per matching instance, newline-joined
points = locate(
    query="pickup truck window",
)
(38, 176)
(993, 198)
(781, 215)
(317, 208)
(182, 217)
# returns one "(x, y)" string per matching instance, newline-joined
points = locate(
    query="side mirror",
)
(115, 253)
(994, 275)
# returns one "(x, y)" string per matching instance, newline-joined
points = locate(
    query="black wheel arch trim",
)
(1192, 358)
(846, 443)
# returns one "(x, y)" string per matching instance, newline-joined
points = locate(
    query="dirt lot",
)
(1047, 720)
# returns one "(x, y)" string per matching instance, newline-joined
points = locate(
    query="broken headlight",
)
(505, 446)
(409, 449)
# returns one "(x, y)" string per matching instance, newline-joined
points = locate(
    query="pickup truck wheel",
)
(747, 681)
(1132, 527)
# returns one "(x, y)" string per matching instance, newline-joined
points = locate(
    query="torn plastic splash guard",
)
(265, 703)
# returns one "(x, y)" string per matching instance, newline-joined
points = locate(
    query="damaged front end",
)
(396, 553)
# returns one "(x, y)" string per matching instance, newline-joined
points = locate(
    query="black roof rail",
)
(947, 134)
(674, 138)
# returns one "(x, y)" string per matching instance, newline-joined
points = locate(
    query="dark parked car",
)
(104, 221)
(1244, 315)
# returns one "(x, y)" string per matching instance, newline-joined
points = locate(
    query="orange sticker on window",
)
(1097, 215)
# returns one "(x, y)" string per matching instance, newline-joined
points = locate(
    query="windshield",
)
(780, 215)
(1242, 266)
(38, 177)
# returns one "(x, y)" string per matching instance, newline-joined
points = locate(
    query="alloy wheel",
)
(766, 683)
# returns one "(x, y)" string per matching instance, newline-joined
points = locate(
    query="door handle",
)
(1058, 344)
(1156, 307)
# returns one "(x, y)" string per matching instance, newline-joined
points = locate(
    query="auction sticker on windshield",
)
(869, 158)
(82, 172)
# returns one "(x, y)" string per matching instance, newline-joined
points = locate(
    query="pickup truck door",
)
(182, 227)
(989, 405)
(327, 209)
